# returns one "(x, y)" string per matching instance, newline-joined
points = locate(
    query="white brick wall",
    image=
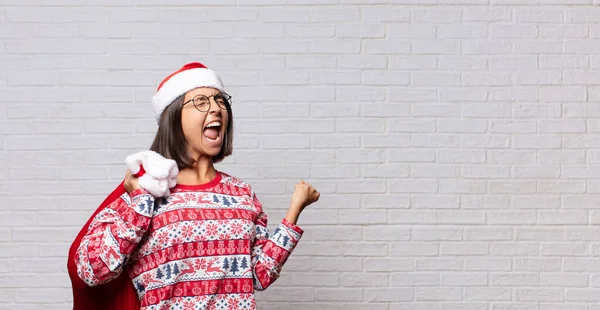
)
(455, 142)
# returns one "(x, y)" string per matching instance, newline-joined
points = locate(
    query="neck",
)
(202, 172)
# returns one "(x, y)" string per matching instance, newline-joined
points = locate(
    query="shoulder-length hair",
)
(170, 141)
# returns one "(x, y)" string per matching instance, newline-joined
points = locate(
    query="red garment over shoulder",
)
(117, 294)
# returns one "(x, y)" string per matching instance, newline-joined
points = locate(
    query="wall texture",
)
(456, 143)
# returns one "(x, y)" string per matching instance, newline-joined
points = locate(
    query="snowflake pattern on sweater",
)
(203, 247)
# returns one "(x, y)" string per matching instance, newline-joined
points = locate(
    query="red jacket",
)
(117, 294)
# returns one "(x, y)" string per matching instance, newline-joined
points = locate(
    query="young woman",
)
(205, 244)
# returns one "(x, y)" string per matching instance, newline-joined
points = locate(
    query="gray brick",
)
(435, 47)
(360, 31)
(486, 14)
(385, 14)
(335, 141)
(307, 31)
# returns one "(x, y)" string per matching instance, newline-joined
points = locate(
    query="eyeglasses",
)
(202, 103)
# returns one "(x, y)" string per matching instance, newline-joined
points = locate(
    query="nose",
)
(214, 106)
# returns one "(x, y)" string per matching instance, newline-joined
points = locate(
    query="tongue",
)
(211, 133)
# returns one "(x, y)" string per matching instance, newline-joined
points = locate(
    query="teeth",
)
(214, 124)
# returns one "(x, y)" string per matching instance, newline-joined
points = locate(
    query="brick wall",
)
(456, 143)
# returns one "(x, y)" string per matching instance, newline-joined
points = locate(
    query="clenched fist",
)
(131, 182)
(304, 195)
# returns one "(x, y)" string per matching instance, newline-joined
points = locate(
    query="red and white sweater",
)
(203, 247)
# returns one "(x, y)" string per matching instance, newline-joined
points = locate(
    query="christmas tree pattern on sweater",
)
(204, 247)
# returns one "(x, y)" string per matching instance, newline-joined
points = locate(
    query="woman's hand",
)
(131, 182)
(304, 195)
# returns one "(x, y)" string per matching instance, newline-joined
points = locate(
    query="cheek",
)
(191, 124)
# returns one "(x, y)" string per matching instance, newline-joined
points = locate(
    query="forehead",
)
(206, 91)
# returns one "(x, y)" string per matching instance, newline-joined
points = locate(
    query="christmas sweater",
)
(202, 247)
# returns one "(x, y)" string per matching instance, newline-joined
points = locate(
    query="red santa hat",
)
(190, 76)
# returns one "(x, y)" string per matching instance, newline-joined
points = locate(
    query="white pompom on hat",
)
(190, 76)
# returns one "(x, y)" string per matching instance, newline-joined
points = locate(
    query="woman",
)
(205, 245)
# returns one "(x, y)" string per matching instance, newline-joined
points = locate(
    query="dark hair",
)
(170, 141)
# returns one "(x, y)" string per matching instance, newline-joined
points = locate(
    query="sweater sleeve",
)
(270, 252)
(112, 236)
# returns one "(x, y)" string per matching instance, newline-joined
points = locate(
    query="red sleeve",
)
(271, 251)
(118, 294)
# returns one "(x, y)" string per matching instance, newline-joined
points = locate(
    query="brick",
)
(488, 294)
(539, 78)
(336, 46)
(436, 234)
(364, 186)
(491, 47)
(463, 249)
(538, 294)
(413, 249)
(438, 264)
(561, 156)
(338, 77)
(385, 14)
(411, 31)
(273, 110)
(484, 140)
(412, 216)
(340, 264)
(511, 157)
(514, 279)
(339, 295)
(366, 217)
(485, 110)
(388, 295)
(539, 15)
(523, 93)
(381, 46)
(537, 142)
(566, 31)
(435, 47)
(461, 156)
(535, 111)
(360, 156)
(435, 15)
(300, 279)
(462, 31)
(377, 77)
(360, 31)
(355, 249)
(461, 62)
(510, 62)
(486, 14)
(521, 126)
(385, 202)
(513, 31)
(436, 110)
(564, 61)
(364, 280)
(538, 171)
(487, 264)
(414, 186)
(335, 141)
(515, 249)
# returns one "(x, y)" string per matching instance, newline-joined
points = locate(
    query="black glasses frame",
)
(225, 96)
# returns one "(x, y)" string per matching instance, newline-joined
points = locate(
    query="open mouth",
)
(211, 131)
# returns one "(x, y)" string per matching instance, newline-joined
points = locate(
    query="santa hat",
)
(190, 76)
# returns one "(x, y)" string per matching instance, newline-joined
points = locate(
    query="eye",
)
(219, 99)
(200, 101)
